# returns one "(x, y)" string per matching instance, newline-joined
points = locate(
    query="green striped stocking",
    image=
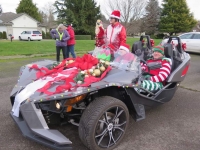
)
(151, 86)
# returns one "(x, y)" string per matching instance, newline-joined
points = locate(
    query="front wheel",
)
(103, 123)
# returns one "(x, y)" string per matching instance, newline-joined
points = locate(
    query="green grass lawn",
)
(16, 47)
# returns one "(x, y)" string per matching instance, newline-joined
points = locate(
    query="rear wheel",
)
(29, 39)
(103, 123)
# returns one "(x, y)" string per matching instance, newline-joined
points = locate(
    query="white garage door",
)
(17, 31)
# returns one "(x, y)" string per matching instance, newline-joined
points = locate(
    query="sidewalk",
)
(26, 56)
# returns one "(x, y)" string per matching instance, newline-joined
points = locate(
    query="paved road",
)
(173, 126)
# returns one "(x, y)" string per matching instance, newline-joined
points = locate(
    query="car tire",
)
(29, 39)
(103, 123)
(20, 38)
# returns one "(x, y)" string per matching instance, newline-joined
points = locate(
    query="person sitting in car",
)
(123, 53)
(158, 76)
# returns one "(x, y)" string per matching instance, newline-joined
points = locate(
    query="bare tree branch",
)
(131, 10)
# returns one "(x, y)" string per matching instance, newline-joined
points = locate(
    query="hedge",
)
(43, 35)
(4, 35)
(83, 37)
(48, 35)
(1, 35)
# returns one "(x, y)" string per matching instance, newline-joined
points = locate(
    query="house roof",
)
(9, 16)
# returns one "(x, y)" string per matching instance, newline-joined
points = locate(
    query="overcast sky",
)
(11, 5)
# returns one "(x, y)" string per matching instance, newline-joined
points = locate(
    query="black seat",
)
(140, 50)
(137, 45)
(177, 51)
(168, 51)
(173, 54)
(177, 58)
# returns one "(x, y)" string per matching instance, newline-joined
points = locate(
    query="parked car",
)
(30, 35)
(192, 40)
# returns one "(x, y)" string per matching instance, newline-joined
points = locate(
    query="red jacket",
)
(71, 41)
(115, 35)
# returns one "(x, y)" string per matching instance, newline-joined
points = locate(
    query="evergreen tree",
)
(176, 17)
(151, 18)
(81, 13)
(27, 6)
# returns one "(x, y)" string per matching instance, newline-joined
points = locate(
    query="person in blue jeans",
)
(70, 42)
(61, 36)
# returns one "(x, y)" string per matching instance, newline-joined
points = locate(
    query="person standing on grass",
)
(11, 37)
(61, 36)
(71, 42)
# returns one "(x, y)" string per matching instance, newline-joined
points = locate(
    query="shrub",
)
(83, 37)
(1, 35)
(4, 35)
(48, 35)
(153, 36)
(43, 35)
(160, 36)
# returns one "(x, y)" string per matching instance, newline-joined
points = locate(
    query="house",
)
(16, 23)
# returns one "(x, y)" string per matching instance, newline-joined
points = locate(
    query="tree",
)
(103, 18)
(27, 6)
(176, 17)
(48, 15)
(81, 13)
(43, 17)
(151, 18)
(131, 10)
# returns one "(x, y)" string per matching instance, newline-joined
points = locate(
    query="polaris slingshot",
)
(101, 108)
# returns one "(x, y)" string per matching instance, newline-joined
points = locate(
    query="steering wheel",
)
(143, 61)
(143, 72)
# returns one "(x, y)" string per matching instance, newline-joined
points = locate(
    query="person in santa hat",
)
(115, 32)
(123, 53)
(99, 31)
(158, 76)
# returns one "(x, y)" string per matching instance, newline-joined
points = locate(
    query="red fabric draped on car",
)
(84, 63)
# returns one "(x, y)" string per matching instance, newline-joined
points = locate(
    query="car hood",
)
(114, 77)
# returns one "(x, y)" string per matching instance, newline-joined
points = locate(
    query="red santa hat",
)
(115, 14)
(125, 47)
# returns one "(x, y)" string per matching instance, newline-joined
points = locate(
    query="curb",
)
(25, 56)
